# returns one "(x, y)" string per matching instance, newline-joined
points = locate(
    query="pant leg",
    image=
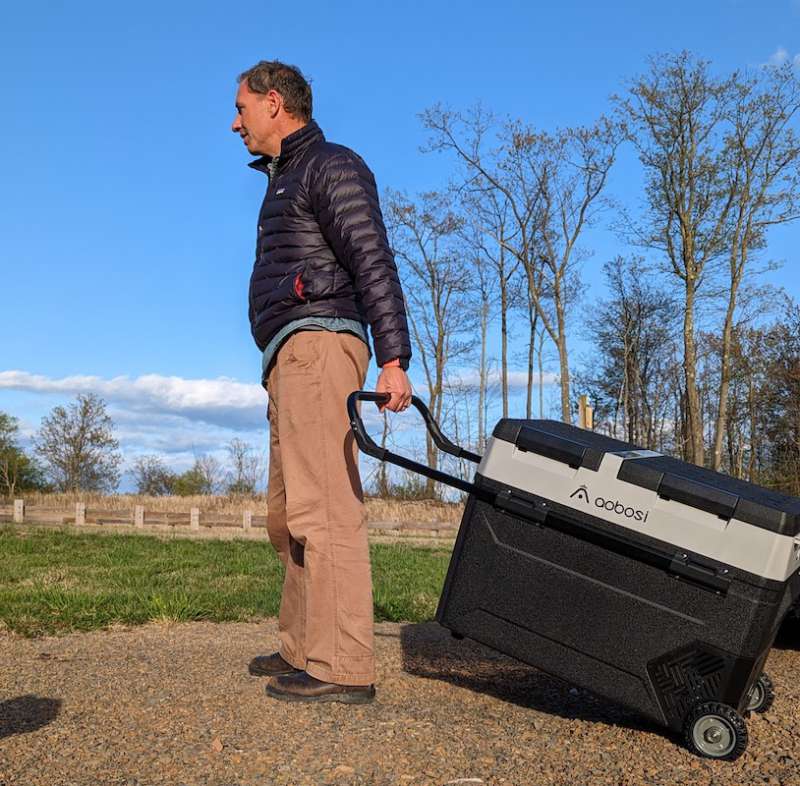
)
(291, 617)
(324, 501)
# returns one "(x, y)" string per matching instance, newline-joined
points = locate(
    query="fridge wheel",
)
(715, 731)
(762, 694)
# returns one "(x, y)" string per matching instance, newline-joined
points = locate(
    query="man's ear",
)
(274, 102)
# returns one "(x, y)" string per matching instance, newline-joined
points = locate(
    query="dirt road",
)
(175, 705)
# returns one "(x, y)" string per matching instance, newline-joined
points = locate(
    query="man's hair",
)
(285, 79)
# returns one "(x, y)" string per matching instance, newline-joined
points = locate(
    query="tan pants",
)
(315, 507)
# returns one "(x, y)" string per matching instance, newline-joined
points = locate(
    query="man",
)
(323, 271)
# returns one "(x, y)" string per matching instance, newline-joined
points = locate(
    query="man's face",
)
(256, 120)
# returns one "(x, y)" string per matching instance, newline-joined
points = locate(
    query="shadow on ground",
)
(25, 714)
(430, 651)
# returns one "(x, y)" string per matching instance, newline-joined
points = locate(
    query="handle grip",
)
(371, 448)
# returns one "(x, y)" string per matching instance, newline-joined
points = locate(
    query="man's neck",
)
(287, 128)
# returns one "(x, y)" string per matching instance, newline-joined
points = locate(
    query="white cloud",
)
(517, 380)
(778, 57)
(173, 416)
(223, 402)
(781, 55)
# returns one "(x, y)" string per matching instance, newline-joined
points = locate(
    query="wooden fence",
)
(246, 524)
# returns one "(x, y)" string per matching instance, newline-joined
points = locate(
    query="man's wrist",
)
(393, 363)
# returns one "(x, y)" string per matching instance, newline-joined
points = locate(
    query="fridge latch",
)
(694, 570)
(531, 509)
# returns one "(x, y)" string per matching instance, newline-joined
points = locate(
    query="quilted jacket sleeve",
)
(345, 200)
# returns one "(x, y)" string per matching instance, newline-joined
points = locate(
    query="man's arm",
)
(346, 203)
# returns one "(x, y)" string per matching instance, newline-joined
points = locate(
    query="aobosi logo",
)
(611, 505)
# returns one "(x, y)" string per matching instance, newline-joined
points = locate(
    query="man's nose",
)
(236, 125)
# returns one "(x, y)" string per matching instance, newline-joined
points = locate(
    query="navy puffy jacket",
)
(321, 221)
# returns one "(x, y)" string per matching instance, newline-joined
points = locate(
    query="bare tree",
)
(630, 372)
(18, 471)
(551, 186)
(781, 401)
(761, 159)
(488, 230)
(246, 467)
(152, 477)
(205, 476)
(10, 454)
(491, 275)
(424, 236)
(210, 469)
(675, 112)
(383, 486)
(77, 446)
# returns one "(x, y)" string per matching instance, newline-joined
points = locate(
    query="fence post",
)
(247, 520)
(194, 519)
(585, 413)
(80, 514)
(138, 516)
(19, 511)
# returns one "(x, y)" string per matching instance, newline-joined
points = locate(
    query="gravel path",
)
(173, 704)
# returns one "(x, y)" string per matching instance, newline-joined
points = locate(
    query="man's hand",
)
(394, 380)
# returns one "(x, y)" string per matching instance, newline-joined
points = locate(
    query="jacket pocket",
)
(285, 292)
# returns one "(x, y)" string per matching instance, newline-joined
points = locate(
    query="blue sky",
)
(127, 214)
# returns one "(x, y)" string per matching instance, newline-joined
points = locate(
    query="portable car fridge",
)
(655, 583)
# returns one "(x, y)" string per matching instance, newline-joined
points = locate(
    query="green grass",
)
(53, 581)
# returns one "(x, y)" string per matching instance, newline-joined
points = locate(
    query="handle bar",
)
(371, 448)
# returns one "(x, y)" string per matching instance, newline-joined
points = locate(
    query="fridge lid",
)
(714, 492)
(559, 441)
(698, 487)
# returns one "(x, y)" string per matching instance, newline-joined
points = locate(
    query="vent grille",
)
(685, 677)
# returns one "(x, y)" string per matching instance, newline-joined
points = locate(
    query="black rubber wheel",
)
(762, 695)
(715, 731)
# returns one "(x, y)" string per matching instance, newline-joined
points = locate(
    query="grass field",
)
(52, 581)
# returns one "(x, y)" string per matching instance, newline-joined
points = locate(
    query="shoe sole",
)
(342, 698)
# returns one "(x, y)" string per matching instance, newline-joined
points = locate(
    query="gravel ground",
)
(174, 704)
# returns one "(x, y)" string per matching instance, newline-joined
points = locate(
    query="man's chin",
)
(253, 150)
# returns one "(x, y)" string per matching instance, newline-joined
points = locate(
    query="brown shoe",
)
(271, 666)
(304, 687)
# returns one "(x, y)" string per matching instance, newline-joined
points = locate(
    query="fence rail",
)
(192, 522)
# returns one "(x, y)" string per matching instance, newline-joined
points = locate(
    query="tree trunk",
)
(724, 384)
(693, 415)
(504, 343)
(484, 373)
(725, 361)
(532, 319)
(383, 473)
(540, 357)
(563, 360)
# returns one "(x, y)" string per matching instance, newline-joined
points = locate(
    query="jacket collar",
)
(292, 146)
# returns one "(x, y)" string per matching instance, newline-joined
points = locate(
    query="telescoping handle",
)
(371, 448)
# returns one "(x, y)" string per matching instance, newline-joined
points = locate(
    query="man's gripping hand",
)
(394, 380)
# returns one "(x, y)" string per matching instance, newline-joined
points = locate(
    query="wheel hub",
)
(756, 696)
(713, 736)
